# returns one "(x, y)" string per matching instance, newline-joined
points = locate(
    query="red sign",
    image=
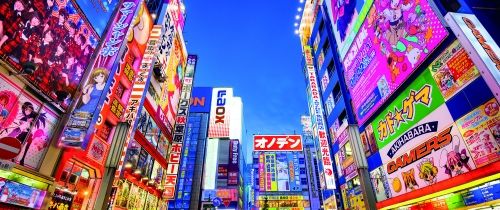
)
(277, 143)
(10, 147)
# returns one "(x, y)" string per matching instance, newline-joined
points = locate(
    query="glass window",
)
(325, 80)
(329, 104)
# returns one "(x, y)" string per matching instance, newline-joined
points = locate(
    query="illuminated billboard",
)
(233, 166)
(220, 113)
(282, 172)
(201, 99)
(319, 122)
(210, 170)
(270, 172)
(53, 36)
(98, 12)
(277, 143)
(82, 121)
(346, 18)
(381, 58)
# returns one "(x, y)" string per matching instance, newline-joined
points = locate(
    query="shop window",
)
(81, 181)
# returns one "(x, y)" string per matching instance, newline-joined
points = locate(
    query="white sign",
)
(480, 45)
(219, 113)
(319, 122)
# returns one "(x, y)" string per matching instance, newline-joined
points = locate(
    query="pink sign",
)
(396, 37)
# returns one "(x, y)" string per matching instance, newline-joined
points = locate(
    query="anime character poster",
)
(282, 171)
(481, 130)
(53, 36)
(25, 118)
(447, 158)
(395, 38)
(453, 70)
(346, 17)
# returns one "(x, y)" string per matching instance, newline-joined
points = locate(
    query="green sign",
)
(419, 99)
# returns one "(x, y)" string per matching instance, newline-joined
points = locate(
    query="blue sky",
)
(251, 47)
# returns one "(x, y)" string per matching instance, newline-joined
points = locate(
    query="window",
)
(329, 104)
(321, 26)
(326, 46)
(330, 68)
(325, 79)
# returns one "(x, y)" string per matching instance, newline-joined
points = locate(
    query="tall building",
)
(408, 91)
(311, 158)
(280, 172)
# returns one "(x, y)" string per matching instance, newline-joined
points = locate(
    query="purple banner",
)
(81, 123)
(233, 163)
(395, 38)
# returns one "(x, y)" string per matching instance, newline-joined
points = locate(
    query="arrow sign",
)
(10, 147)
(216, 202)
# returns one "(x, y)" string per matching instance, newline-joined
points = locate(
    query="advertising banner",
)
(210, 170)
(346, 18)
(395, 38)
(82, 121)
(262, 174)
(433, 159)
(380, 184)
(282, 172)
(201, 100)
(277, 143)
(453, 69)
(219, 113)
(53, 36)
(271, 181)
(25, 118)
(481, 47)
(21, 195)
(98, 12)
(233, 166)
(419, 99)
(319, 120)
(481, 131)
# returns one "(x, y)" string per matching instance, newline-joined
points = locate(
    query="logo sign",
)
(277, 143)
(380, 58)
(319, 120)
(480, 45)
(219, 113)
(10, 147)
(180, 125)
(201, 100)
(217, 202)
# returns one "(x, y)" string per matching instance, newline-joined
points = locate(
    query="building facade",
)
(408, 100)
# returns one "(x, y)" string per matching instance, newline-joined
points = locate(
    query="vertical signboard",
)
(210, 168)
(219, 113)
(283, 174)
(481, 47)
(346, 18)
(271, 181)
(262, 177)
(81, 123)
(320, 123)
(180, 127)
(393, 41)
(233, 170)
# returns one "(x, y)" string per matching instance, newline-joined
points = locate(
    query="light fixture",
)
(301, 1)
(296, 24)
(296, 31)
(297, 17)
(299, 9)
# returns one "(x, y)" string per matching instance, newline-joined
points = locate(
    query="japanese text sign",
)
(277, 143)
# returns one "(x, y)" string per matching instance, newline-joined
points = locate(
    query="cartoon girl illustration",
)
(456, 161)
(428, 171)
(4, 100)
(394, 15)
(343, 13)
(23, 124)
(93, 90)
(35, 143)
(409, 180)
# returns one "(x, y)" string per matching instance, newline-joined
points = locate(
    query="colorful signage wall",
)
(41, 34)
(277, 143)
(180, 127)
(28, 120)
(483, 50)
(392, 42)
(319, 120)
(82, 121)
(201, 99)
(346, 18)
(219, 113)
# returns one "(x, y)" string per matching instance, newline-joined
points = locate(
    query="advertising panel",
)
(201, 100)
(80, 125)
(418, 100)
(28, 120)
(262, 175)
(282, 172)
(406, 32)
(61, 198)
(21, 195)
(210, 172)
(380, 184)
(319, 121)
(346, 18)
(233, 170)
(180, 128)
(481, 131)
(431, 160)
(40, 33)
(270, 166)
(277, 143)
(453, 69)
(219, 113)
(98, 12)
(481, 47)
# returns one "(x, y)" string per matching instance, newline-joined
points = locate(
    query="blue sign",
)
(217, 202)
(201, 100)
(98, 12)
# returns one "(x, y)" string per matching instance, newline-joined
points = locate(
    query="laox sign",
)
(220, 111)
